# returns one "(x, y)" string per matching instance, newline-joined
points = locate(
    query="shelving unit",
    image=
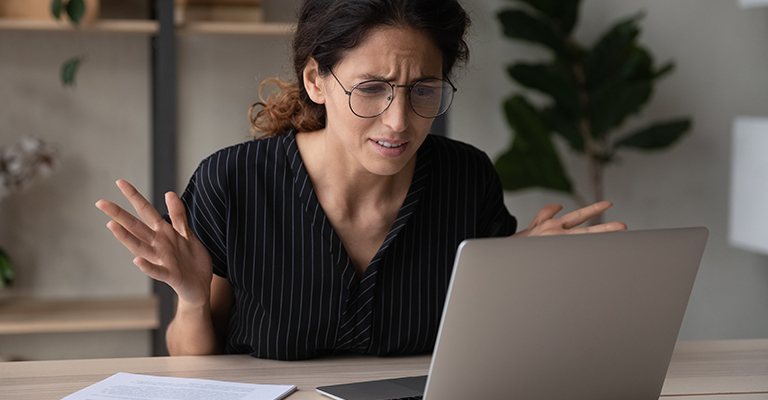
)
(236, 28)
(81, 315)
(28, 315)
(119, 26)
(150, 27)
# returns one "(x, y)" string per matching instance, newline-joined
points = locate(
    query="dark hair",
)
(327, 29)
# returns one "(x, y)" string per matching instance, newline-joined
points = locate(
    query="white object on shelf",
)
(749, 185)
(753, 3)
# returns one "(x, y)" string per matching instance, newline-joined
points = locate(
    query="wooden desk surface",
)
(708, 370)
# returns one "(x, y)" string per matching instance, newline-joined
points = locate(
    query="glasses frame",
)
(392, 97)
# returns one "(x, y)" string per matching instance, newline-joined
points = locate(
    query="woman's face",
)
(381, 145)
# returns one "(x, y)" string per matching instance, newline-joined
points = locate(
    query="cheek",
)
(423, 126)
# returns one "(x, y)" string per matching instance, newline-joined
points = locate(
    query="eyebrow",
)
(372, 77)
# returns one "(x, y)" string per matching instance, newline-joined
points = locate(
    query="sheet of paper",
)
(123, 386)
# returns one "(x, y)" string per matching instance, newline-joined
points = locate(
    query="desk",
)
(707, 370)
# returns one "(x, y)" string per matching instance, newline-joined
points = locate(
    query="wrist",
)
(192, 308)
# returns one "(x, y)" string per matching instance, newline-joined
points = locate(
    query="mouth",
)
(390, 145)
(390, 148)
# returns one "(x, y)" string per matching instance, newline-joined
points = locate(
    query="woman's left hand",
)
(545, 223)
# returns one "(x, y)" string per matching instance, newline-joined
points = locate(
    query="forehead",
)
(393, 53)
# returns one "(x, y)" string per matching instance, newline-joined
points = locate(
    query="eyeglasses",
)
(429, 98)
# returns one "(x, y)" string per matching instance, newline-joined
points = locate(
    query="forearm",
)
(192, 332)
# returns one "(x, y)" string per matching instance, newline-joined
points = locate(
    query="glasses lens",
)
(431, 98)
(369, 99)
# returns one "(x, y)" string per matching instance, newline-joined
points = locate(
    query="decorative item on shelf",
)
(590, 94)
(19, 165)
(218, 11)
(42, 9)
(753, 3)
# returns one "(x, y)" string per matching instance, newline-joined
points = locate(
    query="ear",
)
(313, 83)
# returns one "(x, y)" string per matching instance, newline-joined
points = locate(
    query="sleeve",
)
(494, 220)
(206, 200)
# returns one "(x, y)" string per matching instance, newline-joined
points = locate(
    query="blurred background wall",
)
(102, 131)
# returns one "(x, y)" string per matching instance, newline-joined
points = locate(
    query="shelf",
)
(28, 315)
(237, 28)
(149, 27)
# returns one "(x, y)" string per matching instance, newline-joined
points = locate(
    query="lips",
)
(390, 148)
(388, 144)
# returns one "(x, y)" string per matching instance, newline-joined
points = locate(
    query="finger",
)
(546, 212)
(126, 219)
(152, 270)
(608, 227)
(140, 204)
(178, 213)
(135, 245)
(578, 217)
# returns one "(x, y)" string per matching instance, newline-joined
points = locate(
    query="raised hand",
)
(171, 254)
(545, 223)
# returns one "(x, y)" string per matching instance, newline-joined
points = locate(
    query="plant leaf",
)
(56, 7)
(611, 105)
(76, 10)
(657, 136)
(564, 125)
(69, 71)
(521, 25)
(663, 70)
(6, 270)
(552, 80)
(532, 160)
(563, 13)
(611, 51)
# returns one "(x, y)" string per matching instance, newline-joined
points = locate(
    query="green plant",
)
(590, 93)
(6, 270)
(74, 9)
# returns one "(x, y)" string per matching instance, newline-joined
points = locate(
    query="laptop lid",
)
(591, 316)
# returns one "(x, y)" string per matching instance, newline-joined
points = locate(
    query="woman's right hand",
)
(168, 253)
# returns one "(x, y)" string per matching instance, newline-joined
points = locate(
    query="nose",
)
(399, 111)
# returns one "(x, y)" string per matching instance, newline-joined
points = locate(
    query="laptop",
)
(593, 316)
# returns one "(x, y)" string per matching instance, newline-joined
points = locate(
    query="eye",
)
(372, 89)
(425, 90)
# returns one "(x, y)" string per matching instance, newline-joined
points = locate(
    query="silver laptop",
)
(592, 316)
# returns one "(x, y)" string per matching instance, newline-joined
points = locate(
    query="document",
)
(123, 386)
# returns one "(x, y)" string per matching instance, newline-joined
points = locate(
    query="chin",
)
(386, 167)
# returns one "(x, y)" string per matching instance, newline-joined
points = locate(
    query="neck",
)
(343, 184)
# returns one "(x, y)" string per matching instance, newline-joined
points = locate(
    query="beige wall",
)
(102, 131)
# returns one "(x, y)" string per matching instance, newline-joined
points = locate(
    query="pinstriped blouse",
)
(296, 293)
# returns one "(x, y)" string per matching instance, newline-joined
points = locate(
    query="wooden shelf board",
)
(149, 27)
(237, 28)
(27, 315)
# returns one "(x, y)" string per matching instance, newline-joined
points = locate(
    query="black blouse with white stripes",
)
(296, 293)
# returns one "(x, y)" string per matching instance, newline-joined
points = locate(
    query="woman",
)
(338, 230)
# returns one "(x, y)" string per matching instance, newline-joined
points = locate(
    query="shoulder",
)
(250, 149)
(248, 154)
(447, 145)
(451, 155)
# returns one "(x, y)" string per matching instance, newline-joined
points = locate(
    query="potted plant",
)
(590, 93)
(19, 165)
